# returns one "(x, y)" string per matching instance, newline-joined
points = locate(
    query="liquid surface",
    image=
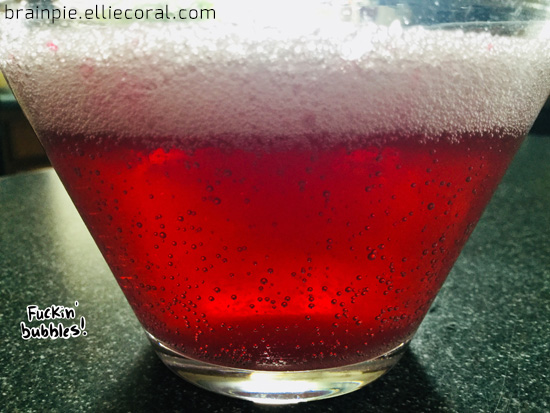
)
(202, 82)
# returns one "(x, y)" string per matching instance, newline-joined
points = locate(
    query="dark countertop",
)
(484, 346)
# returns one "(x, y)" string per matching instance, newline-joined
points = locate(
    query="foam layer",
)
(195, 82)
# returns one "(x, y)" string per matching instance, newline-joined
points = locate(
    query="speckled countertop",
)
(484, 346)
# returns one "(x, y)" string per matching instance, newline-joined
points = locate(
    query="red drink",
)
(284, 259)
(276, 201)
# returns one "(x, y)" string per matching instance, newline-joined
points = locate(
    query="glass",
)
(281, 190)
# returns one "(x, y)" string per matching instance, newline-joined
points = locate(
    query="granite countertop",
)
(484, 346)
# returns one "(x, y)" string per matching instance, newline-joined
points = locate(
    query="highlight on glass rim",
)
(280, 188)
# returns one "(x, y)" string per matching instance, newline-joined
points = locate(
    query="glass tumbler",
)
(280, 188)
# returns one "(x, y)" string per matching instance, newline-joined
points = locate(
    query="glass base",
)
(277, 387)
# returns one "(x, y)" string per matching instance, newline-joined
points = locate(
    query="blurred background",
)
(19, 147)
(21, 151)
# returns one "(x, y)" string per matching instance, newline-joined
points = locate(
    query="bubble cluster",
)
(214, 81)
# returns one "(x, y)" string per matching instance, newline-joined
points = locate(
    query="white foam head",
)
(191, 81)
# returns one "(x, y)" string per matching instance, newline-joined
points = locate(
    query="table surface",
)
(483, 347)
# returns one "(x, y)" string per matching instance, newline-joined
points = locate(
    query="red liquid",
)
(283, 259)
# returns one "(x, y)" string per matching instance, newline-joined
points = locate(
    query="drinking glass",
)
(280, 188)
